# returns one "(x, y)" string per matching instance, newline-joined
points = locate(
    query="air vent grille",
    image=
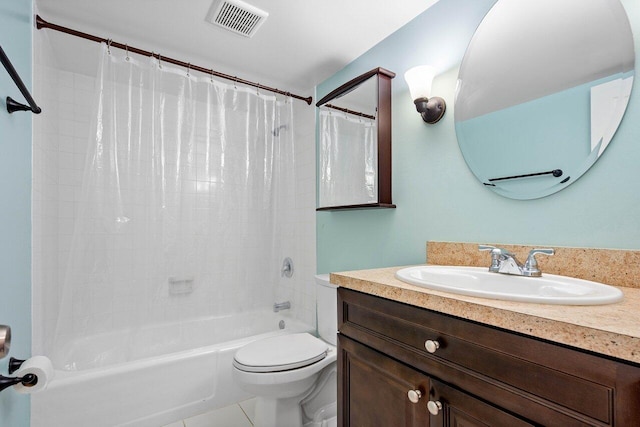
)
(237, 16)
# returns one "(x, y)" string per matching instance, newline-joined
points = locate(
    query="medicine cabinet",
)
(354, 164)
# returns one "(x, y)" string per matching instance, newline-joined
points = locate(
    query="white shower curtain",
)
(188, 184)
(348, 159)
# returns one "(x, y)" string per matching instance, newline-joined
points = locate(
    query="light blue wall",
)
(15, 202)
(438, 198)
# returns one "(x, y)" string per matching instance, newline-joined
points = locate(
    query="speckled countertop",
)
(612, 330)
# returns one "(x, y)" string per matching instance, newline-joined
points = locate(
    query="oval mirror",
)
(541, 91)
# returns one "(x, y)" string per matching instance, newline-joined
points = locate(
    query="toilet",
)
(286, 372)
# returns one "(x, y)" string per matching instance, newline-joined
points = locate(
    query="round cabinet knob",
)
(431, 345)
(414, 395)
(434, 407)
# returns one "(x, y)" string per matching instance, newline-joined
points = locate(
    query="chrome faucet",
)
(504, 262)
(281, 306)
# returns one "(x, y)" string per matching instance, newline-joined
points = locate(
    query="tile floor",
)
(237, 415)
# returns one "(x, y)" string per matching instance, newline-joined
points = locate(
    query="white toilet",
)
(283, 371)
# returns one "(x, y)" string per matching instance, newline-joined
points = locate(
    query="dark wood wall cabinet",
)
(402, 366)
(366, 96)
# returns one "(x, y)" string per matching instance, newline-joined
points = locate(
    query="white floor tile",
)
(249, 408)
(229, 416)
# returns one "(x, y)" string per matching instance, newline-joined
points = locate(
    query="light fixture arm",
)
(431, 109)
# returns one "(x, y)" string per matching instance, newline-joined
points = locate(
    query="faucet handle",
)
(494, 250)
(531, 265)
(496, 254)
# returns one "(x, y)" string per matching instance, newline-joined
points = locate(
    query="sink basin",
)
(479, 282)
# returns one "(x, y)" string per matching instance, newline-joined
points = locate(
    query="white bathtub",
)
(191, 374)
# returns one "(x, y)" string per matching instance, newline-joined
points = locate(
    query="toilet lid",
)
(281, 353)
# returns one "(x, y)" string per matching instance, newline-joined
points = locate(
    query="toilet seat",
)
(280, 353)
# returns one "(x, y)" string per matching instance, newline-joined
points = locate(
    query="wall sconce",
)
(419, 80)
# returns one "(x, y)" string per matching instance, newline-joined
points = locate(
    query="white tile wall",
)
(60, 145)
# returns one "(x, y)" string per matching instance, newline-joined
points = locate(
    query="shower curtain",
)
(348, 159)
(187, 187)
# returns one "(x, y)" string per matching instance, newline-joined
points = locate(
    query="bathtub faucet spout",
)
(281, 306)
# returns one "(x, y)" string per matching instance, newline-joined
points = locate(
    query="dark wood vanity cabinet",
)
(377, 388)
(470, 375)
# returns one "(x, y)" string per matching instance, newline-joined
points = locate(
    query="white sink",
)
(479, 282)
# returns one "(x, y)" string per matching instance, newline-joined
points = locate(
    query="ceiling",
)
(301, 43)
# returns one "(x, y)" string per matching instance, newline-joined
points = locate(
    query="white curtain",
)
(348, 159)
(187, 186)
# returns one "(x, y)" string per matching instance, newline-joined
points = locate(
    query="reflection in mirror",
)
(542, 89)
(355, 144)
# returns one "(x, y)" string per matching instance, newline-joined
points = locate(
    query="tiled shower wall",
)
(61, 138)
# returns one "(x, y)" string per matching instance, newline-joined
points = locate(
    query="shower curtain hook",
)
(126, 47)
(188, 68)
(258, 89)
(159, 61)
(235, 80)
(109, 45)
(211, 75)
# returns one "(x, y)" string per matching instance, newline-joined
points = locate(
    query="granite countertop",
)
(612, 330)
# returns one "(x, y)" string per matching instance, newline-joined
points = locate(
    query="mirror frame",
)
(383, 121)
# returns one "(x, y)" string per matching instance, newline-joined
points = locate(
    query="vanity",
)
(412, 356)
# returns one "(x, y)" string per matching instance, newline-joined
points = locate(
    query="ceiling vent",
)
(236, 16)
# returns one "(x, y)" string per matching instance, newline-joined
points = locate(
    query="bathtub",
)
(156, 384)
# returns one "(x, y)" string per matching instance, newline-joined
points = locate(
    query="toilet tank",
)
(327, 308)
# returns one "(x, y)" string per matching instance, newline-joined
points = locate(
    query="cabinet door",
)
(374, 389)
(451, 407)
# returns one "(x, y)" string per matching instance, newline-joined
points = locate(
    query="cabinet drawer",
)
(571, 382)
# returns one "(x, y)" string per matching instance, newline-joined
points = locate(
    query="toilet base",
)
(278, 412)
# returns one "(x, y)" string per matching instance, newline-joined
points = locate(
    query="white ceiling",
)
(301, 43)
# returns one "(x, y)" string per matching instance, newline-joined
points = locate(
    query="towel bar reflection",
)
(556, 173)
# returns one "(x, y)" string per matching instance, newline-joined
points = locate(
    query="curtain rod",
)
(346, 110)
(41, 23)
